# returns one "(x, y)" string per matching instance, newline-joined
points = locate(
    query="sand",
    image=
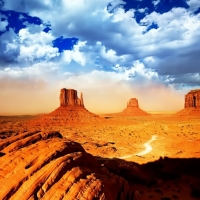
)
(137, 139)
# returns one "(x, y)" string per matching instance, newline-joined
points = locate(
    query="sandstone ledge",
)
(40, 165)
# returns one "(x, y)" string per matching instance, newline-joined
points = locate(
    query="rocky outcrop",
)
(44, 165)
(132, 103)
(133, 109)
(68, 97)
(192, 99)
(192, 104)
(71, 110)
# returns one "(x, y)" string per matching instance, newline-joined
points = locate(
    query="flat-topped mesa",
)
(133, 109)
(192, 99)
(133, 102)
(192, 104)
(71, 110)
(68, 97)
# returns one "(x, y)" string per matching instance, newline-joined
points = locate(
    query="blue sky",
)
(109, 50)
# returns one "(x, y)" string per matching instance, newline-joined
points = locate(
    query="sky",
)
(109, 50)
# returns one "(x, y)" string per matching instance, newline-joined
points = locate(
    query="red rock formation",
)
(132, 103)
(133, 109)
(44, 165)
(71, 110)
(192, 103)
(192, 99)
(68, 97)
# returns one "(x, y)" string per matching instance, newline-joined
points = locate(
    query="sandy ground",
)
(137, 139)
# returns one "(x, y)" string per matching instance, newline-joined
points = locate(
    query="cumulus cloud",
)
(194, 4)
(30, 45)
(3, 25)
(113, 49)
(75, 54)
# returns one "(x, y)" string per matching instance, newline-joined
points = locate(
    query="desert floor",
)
(137, 139)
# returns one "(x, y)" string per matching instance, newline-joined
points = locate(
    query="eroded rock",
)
(44, 165)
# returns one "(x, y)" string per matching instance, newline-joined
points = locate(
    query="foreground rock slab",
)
(44, 165)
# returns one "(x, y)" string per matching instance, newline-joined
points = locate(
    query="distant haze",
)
(100, 96)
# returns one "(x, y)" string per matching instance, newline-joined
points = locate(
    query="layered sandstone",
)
(44, 165)
(71, 110)
(133, 109)
(192, 99)
(192, 103)
(68, 97)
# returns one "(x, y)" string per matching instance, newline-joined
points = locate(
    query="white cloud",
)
(3, 25)
(137, 72)
(142, 10)
(32, 46)
(121, 15)
(194, 4)
(41, 69)
(75, 54)
(156, 2)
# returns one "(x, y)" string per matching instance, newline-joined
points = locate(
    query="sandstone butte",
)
(192, 104)
(71, 110)
(133, 109)
(44, 165)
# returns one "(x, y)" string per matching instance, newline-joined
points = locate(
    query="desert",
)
(99, 99)
(72, 153)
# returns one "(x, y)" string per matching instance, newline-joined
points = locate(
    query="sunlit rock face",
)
(68, 97)
(192, 104)
(44, 165)
(133, 109)
(192, 99)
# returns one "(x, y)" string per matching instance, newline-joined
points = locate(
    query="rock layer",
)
(40, 165)
(133, 109)
(192, 104)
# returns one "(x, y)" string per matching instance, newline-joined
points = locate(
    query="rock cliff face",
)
(132, 103)
(192, 99)
(192, 104)
(44, 165)
(71, 110)
(133, 109)
(68, 97)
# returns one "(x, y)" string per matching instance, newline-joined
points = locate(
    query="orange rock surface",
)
(40, 165)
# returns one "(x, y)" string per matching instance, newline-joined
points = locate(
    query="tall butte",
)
(192, 104)
(133, 109)
(71, 110)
